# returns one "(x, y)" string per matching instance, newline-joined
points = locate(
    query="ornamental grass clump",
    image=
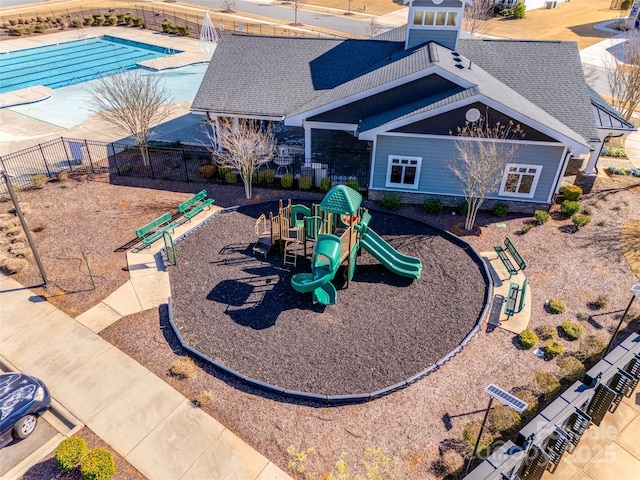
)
(470, 436)
(547, 332)
(580, 220)
(504, 419)
(70, 452)
(571, 369)
(572, 330)
(553, 348)
(304, 182)
(592, 347)
(527, 338)
(556, 305)
(546, 384)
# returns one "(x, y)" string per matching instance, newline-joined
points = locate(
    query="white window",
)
(438, 18)
(403, 172)
(520, 180)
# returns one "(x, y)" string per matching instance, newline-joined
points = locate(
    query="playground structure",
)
(339, 226)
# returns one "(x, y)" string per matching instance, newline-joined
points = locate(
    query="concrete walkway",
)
(154, 427)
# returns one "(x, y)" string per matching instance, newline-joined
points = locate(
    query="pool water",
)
(181, 83)
(69, 63)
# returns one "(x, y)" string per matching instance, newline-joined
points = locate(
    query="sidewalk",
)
(154, 427)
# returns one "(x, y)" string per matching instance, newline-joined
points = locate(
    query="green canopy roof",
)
(341, 199)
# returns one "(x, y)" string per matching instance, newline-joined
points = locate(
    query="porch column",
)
(307, 145)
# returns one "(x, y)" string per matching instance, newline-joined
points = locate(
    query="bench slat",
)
(184, 206)
(197, 209)
(151, 226)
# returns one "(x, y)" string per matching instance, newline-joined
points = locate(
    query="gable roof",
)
(282, 77)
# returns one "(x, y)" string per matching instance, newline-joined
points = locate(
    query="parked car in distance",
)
(22, 400)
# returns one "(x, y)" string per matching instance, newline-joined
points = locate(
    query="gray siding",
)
(437, 153)
(444, 4)
(446, 38)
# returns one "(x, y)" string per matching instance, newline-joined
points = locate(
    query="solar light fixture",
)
(503, 397)
(506, 398)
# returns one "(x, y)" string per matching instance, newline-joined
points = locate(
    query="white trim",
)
(516, 194)
(272, 118)
(296, 120)
(458, 11)
(416, 179)
(454, 138)
(373, 161)
(559, 173)
(346, 127)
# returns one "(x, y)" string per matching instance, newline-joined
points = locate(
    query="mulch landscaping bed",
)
(241, 311)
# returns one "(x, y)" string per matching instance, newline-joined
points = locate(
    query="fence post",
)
(115, 158)
(186, 169)
(45, 159)
(89, 155)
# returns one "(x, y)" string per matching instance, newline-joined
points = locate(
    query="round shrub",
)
(325, 184)
(572, 330)
(99, 20)
(470, 436)
(547, 332)
(75, 23)
(541, 216)
(579, 220)
(353, 183)
(138, 22)
(572, 192)
(231, 178)
(391, 201)
(39, 28)
(304, 182)
(183, 30)
(530, 398)
(167, 26)
(546, 383)
(504, 419)
(526, 227)
(553, 348)
(269, 176)
(286, 180)
(569, 207)
(88, 21)
(98, 464)
(527, 338)
(572, 369)
(433, 205)
(208, 171)
(501, 209)
(111, 20)
(70, 452)
(556, 305)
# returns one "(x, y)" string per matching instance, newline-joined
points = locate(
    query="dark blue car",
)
(22, 400)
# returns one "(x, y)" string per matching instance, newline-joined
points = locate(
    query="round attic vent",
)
(472, 115)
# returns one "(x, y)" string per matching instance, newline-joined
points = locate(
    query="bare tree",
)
(228, 6)
(483, 153)
(373, 27)
(477, 15)
(296, 5)
(246, 145)
(133, 101)
(623, 75)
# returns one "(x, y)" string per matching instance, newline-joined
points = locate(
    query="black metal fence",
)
(29, 167)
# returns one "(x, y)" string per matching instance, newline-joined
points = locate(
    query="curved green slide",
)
(324, 265)
(398, 263)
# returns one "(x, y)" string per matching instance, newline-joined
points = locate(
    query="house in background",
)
(398, 99)
(528, 4)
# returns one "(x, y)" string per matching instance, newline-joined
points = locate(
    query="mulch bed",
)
(241, 311)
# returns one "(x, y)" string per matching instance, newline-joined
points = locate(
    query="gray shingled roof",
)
(284, 76)
(275, 75)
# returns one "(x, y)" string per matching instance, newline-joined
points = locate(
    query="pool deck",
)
(189, 54)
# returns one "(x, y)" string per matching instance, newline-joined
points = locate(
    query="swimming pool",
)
(69, 63)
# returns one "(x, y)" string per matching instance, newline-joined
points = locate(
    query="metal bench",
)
(154, 230)
(190, 208)
(510, 248)
(515, 300)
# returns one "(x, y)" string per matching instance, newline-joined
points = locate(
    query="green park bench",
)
(190, 208)
(515, 300)
(154, 230)
(510, 248)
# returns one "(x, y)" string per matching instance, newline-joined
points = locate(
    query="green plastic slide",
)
(398, 263)
(324, 265)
